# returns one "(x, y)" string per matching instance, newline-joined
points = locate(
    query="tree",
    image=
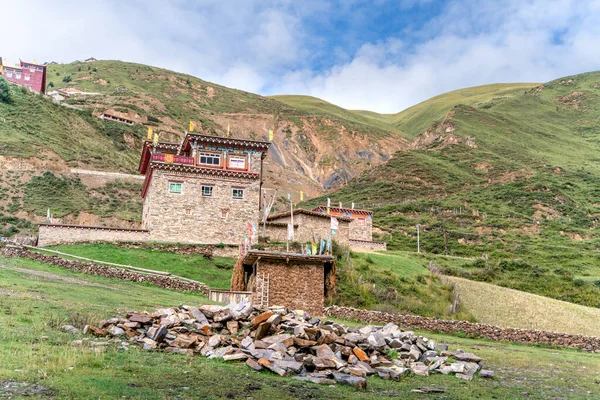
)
(5, 96)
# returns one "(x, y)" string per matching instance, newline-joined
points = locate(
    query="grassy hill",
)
(321, 107)
(515, 177)
(416, 119)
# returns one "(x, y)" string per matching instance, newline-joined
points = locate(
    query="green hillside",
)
(321, 107)
(524, 187)
(416, 119)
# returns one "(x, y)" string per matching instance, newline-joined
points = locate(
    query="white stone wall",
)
(50, 235)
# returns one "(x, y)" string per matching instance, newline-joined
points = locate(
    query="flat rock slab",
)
(350, 380)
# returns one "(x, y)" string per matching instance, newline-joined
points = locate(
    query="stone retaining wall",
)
(53, 234)
(358, 245)
(108, 272)
(470, 329)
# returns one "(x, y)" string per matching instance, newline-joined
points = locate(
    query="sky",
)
(374, 55)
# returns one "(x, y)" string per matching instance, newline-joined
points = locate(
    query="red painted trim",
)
(337, 209)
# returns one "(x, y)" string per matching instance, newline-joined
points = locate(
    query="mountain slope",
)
(416, 119)
(515, 177)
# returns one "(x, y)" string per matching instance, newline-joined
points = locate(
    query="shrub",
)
(578, 282)
(67, 78)
(5, 96)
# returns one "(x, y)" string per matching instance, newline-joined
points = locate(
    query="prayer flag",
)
(301, 195)
(228, 127)
(191, 126)
(289, 196)
(270, 135)
(155, 142)
(329, 243)
(335, 224)
(313, 247)
(322, 246)
(353, 205)
(149, 133)
(290, 231)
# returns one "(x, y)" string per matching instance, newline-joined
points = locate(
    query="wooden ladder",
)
(264, 295)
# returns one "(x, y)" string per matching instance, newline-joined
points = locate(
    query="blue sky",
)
(377, 55)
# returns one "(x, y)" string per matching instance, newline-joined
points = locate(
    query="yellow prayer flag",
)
(149, 133)
(191, 126)
(228, 127)
(270, 135)
(301, 195)
(155, 139)
(313, 247)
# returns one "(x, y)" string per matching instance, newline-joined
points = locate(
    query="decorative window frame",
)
(212, 153)
(180, 183)
(233, 190)
(238, 155)
(211, 191)
(362, 221)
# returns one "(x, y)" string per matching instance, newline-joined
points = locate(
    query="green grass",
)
(504, 307)
(416, 119)
(216, 273)
(33, 349)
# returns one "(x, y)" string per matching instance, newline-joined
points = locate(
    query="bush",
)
(5, 96)
(67, 79)
(578, 282)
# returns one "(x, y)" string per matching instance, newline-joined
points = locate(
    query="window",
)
(238, 194)
(9, 74)
(362, 221)
(210, 159)
(27, 77)
(237, 162)
(207, 191)
(175, 187)
(17, 76)
(224, 212)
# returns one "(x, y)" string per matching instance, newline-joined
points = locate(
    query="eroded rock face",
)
(290, 343)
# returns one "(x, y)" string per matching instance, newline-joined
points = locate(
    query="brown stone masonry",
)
(193, 217)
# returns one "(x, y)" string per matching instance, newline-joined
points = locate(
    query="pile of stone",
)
(291, 343)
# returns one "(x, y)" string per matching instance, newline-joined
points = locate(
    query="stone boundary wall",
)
(108, 272)
(208, 250)
(470, 329)
(229, 296)
(53, 234)
(358, 245)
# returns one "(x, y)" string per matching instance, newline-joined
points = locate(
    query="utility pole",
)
(418, 238)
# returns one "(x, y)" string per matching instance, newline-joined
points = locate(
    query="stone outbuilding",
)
(295, 281)
(309, 226)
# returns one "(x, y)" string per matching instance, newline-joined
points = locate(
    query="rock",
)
(235, 357)
(486, 373)
(70, 329)
(80, 343)
(197, 315)
(232, 327)
(414, 353)
(253, 364)
(140, 319)
(465, 377)
(247, 343)
(214, 341)
(390, 329)
(324, 351)
(441, 347)
(470, 357)
(116, 331)
(260, 318)
(376, 340)
(457, 367)
(420, 369)
(350, 380)
(223, 315)
(262, 330)
(176, 350)
(321, 381)
(157, 333)
(184, 342)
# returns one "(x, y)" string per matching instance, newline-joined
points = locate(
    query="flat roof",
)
(307, 212)
(253, 255)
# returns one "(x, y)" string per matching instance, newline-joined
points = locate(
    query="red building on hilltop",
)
(30, 75)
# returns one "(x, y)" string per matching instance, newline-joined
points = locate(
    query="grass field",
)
(216, 273)
(36, 299)
(511, 308)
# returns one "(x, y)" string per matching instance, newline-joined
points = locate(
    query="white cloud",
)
(269, 47)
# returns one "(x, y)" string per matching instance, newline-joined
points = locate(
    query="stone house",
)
(309, 226)
(295, 281)
(361, 226)
(27, 74)
(205, 189)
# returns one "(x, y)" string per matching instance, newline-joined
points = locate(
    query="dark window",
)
(238, 194)
(207, 191)
(210, 159)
